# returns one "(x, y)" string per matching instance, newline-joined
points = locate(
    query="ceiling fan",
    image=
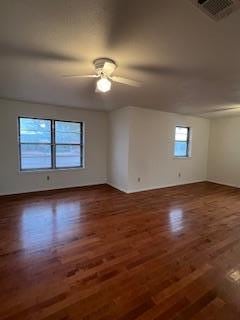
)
(104, 68)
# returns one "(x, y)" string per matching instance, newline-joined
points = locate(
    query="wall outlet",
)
(179, 175)
(48, 178)
(138, 179)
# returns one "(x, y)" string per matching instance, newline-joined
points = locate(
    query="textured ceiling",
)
(186, 62)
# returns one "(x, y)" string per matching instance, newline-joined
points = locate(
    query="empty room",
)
(120, 160)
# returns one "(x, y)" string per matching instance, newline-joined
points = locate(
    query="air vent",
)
(217, 9)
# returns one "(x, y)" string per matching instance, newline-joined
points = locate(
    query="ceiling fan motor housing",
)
(104, 66)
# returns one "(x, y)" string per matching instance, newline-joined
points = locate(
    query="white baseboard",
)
(154, 187)
(163, 186)
(223, 183)
(54, 188)
(116, 187)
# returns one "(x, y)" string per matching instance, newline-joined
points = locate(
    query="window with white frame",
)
(50, 144)
(182, 142)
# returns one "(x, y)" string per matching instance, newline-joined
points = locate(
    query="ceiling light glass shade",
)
(104, 85)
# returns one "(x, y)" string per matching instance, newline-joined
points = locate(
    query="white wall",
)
(140, 142)
(14, 181)
(119, 121)
(151, 150)
(142, 145)
(224, 151)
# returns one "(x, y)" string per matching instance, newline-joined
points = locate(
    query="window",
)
(182, 138)
(50, 144)
(68, 144)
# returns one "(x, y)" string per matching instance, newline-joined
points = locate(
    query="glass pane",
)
(67, 132)
(181, 134)
(67, 137)
(35, 156)
(63, 126)
(180, 149)
(35, 130)
(35, 137)
(68, 156)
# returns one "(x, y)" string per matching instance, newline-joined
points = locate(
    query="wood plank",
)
(97, 253)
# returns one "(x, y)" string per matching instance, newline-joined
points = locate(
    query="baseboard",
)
(67, 189)
(154, 187)
(49, 191)
(116, 187)
(223, 183)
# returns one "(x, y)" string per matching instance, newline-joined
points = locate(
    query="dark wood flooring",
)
(96, 253)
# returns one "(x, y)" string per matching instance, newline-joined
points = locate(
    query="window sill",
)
(49, 170)
(182, 158)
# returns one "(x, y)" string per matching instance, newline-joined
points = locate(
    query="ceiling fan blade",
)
(128, 82)
(81, 76)
(169, 71)
(12, 51)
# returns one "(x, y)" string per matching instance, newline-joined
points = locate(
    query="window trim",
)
(188, 141)
(53, 145)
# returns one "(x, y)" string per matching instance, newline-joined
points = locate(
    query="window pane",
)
(181, 134)
(35, 137)
(68, 137)
(68, 156)
(35, 130)
(67, 132)
(65, 126)
(180, 149)
(35, 124)
(35, 156)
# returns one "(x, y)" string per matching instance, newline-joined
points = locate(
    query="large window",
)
(182, 141)
(50, 144)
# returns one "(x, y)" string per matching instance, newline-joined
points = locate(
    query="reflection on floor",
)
(97, 253)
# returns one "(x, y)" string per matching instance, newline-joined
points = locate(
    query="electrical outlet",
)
(139, 179)
(48, 178)
(179, 174)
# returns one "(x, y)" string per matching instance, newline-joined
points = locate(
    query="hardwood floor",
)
(96, 253)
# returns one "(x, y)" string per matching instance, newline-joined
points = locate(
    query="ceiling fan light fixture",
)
(104, 68)
(104, 85)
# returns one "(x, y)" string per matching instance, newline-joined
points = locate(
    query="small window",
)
(182, 138)
(50, 144)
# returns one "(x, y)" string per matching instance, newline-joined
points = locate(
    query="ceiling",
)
(186, 62)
